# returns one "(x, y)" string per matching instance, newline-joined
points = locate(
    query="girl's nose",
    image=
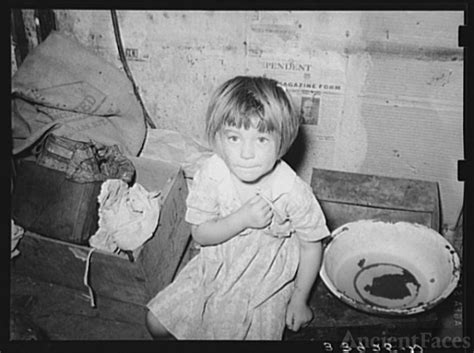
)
(247, 151)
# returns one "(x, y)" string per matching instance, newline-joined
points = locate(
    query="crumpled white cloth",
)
(16, 234)
(128, 216)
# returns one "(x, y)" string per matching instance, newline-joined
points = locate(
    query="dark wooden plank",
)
(45, 202)
(338, 214)
(377, 192)
(64, 263)
(162, 257)
(19, 36)
(373, 190)
(64, 313)
(47, 23)
(333, 318)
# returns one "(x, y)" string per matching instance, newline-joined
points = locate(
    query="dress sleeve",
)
(201, 202)
(305, 213)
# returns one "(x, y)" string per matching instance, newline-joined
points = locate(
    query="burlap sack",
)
(65, 89)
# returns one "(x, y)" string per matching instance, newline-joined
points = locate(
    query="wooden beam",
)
(18, 35)
(47, 23)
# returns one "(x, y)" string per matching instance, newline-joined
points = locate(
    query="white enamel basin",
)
(389, 268)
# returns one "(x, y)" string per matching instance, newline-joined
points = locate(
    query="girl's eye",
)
(263, 140)
(233, 138)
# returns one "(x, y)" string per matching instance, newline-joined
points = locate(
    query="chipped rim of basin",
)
(375, 309)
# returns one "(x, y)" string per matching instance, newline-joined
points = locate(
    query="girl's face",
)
(248, 153)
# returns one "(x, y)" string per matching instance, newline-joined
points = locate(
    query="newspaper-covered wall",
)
(328, 60)
(315, 78)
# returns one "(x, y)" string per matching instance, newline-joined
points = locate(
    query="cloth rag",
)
(128, 216)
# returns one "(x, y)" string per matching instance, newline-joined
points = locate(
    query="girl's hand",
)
(298, 314)
(256, 213)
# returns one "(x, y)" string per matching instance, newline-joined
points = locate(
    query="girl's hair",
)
(241, 98)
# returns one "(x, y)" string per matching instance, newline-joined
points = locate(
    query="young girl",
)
(258, 224)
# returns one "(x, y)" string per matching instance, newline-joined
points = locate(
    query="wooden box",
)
(347, 197)
(115, 276)
(45, 202)
(334, 320)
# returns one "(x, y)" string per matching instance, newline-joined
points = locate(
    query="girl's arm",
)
(299, 313)
(255, 213)
(218, 230)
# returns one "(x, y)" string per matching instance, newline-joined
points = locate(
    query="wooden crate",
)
(65, 314)
(347, 197)
(111, 275)
(44, 201)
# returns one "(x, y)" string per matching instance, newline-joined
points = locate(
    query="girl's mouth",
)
(247, 167)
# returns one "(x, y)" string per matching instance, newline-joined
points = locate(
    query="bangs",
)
(246, 110)
(253, 120)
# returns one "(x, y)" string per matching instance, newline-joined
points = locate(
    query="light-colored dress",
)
(240, 289)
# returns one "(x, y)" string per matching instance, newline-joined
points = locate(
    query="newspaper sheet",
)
(318, 92)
